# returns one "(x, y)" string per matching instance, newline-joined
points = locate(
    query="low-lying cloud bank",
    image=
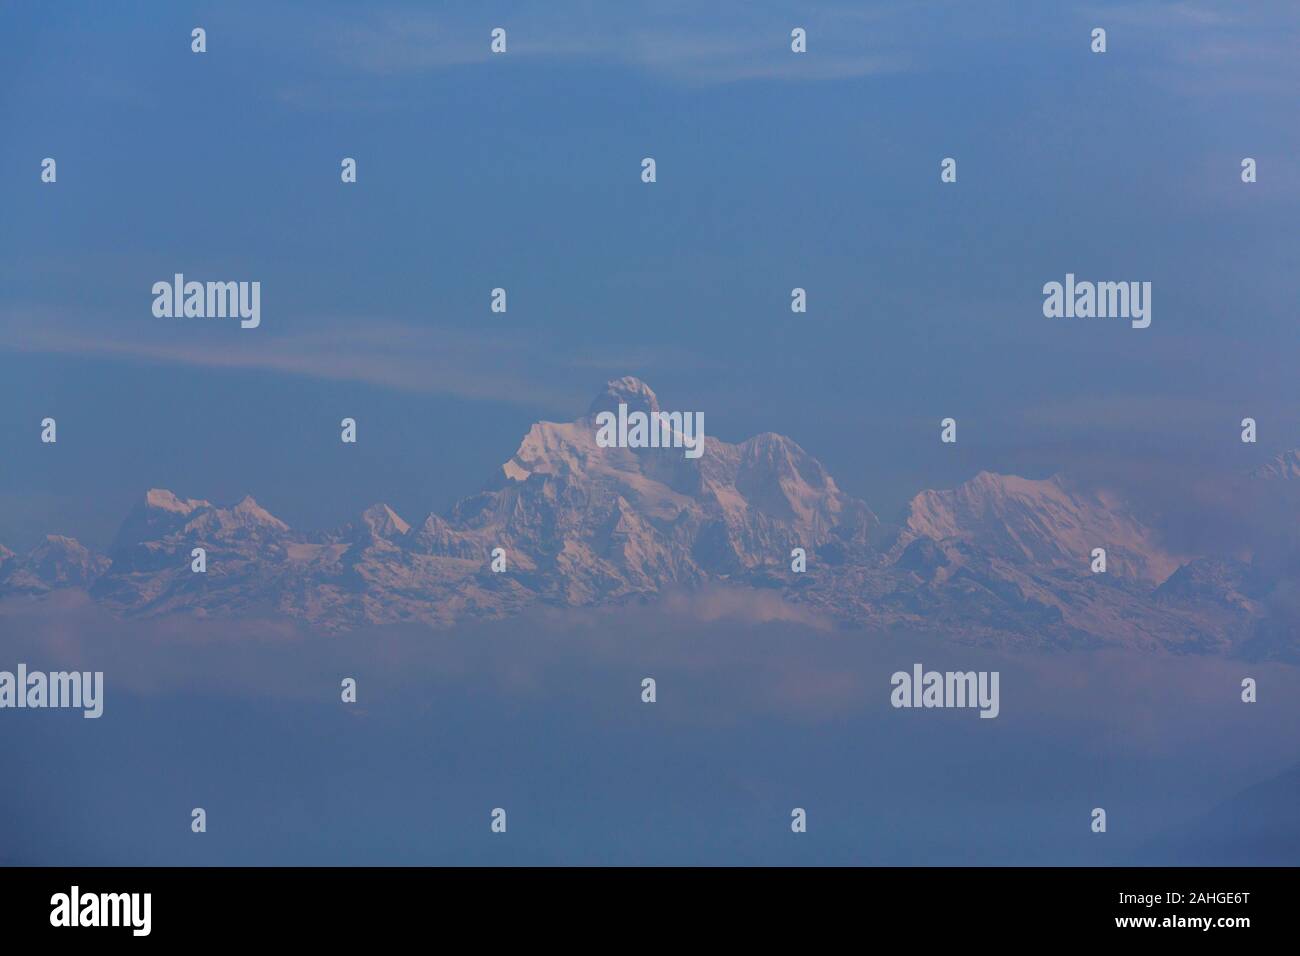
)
(543, 714)
(717, 655)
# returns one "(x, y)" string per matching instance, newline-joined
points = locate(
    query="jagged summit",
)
(57, 562)
(159, 513)
(164, 500)
(384, 522)
(569, 448)
(1042, 522)
(248, 510)
(160, 504)
(628, 390)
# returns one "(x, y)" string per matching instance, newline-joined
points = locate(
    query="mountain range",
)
(998, 560)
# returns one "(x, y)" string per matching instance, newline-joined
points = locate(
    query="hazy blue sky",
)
(522, 171)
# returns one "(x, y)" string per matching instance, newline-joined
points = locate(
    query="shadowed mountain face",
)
(57, 562)
(1000, 559)
(1284, 467)
(1260, 826)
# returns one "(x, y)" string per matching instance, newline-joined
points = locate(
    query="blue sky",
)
(522, 171)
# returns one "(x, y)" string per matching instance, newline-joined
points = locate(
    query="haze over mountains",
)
(999, 560)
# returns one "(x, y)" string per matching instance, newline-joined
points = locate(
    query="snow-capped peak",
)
(250, 511)
(628, 390)
(163, 500)
(1043, 522)
(384, 522)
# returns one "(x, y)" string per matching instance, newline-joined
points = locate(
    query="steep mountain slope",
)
(57, 562)
(1044, 524)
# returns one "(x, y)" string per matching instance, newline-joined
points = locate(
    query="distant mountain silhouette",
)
(1260, 826)
(1283, 467)
(998, 560)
